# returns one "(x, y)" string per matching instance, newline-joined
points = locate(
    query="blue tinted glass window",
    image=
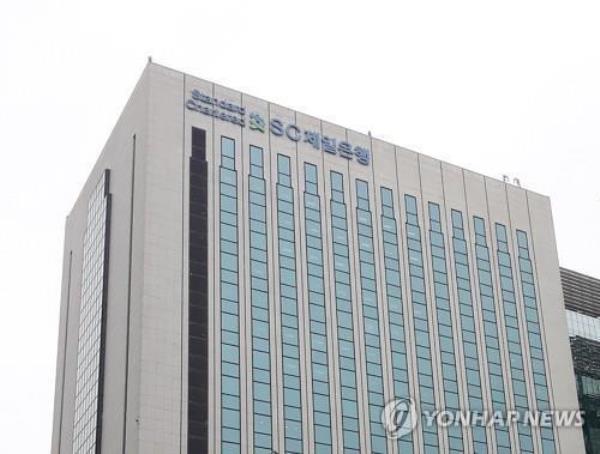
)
(343, 304)
(511, 320)
(444, 319)
(492, 347)
(419, 306)
(394, 305)
(536, 347)
(467, 322)
(317, 313)
(259, 302)
(292, 411)
(230, 353)
(375, 392)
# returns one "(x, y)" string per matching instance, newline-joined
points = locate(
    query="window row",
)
(515, 353)
(467, 326)
(290, 338)
(317, 313)
(375, 391)
(259, 303)
(536, 349)
(394, 305)
(230, 323)
(345, 326)
(490, 330)
(421, 329)
(444, 316)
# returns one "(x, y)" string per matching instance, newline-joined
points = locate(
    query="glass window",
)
(419, 307)
(260, 335)
(482, 259)
(536, 352)
(337, 182)
(512, 331)
(317, 312)
(89, 365)
(344, 311)
(371, 316)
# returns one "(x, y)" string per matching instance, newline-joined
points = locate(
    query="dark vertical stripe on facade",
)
(198, 298)
(104, 312)
(89, 392)
(64, 366)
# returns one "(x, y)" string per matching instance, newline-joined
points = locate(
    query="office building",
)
(582, 301)
(240, 277)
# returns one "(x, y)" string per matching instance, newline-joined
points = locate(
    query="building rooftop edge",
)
(153, 63)
(581, 275)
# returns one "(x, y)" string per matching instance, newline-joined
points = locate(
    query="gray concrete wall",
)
(117, 156)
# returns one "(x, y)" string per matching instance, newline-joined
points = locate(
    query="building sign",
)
(217, 108)
(230, 112)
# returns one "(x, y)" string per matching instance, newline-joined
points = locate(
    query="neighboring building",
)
(243, 278)
(582, 301)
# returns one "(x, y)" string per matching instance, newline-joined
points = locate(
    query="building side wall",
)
(117, 156)
(158, 361)
(68, 332)
(561, 379)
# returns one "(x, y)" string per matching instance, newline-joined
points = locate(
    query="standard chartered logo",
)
(257, 123)
(399, 417)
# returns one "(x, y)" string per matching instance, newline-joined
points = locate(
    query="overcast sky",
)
(506, 87)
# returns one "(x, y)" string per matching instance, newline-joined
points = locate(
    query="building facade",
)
(243, 278)
(582, 301)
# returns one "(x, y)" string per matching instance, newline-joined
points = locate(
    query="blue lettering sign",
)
(236, 114)
(293, 133)
(329, 145)
(276, 127)
(345, 150)
(312, 138)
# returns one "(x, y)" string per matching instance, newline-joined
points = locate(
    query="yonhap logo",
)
(399, 417)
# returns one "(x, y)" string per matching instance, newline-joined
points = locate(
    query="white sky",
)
(498, 87)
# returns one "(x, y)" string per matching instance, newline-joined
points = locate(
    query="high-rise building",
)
(582, 301)
(240, 277)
